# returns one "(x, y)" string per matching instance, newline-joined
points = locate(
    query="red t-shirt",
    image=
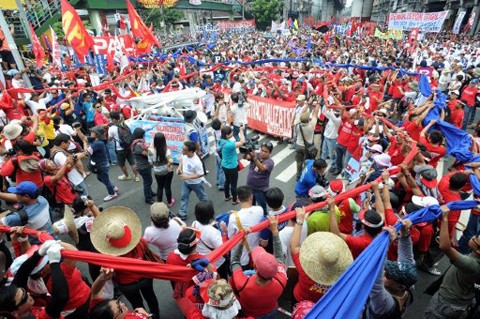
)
(396, 90)
(306, 288)
(62, 189)
(468, 95)
(259, 300)
(358, 244)
(395, 151)
(345, 132)
(373, 96)
(413, 129)
(437, 151)
(78, 290)
(40, 313)
(181, 286)
(456, 118)
(449, 196)
(100, 119)
(452, 104)
(20, 175)
(125, 277)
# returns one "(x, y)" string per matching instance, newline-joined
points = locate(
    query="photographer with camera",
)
(258, 178)
(35, 75)
(304, 130)
(227, 149)
(238, 111)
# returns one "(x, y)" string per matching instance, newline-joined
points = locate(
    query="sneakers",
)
(116, 189)
(124, 178)
(137, 178)
(235, 202)
(431, 270)
(110, 197)
(228, 198)
(170, 205)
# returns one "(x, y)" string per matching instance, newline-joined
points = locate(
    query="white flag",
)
(120, 54)
(56, 60)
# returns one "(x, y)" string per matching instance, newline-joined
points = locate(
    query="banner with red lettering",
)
(426, 21)
(106, 44)
(227, 25)
(271, 116)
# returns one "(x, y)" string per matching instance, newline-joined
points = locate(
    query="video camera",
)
(250, 145)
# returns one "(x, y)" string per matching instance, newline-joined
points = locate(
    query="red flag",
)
(144, 47)
(139, 29)
(413, 35)
(37, 48)
(75, 32)
(6, 101)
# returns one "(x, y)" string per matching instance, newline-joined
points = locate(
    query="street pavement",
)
(283, 176)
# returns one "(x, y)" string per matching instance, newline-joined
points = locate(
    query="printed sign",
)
(355, 170)
(427, 22)
(106, 44)
(390, 34)
(174, 131)
(227, 25)
(271, 116)
(458, 21)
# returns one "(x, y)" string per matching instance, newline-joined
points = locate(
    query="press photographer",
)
(239, 110)
(259, 170)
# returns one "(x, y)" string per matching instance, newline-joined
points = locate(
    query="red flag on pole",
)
(139, 29)
(37, 48)
(75, 32)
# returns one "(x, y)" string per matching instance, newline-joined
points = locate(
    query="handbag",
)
(311, 149)
(93, 167)
(240, 166)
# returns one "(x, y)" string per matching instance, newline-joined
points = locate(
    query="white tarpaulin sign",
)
(458, 21)
(427, 22)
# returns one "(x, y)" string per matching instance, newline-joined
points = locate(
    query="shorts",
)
(123, 156)
(7, 56)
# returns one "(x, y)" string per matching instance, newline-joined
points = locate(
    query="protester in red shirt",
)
(457, 115)
(99, 118)
(450, 187)
(469, 95)
(375, 96)
(18, 303)
(454, 101)
(258, 294)
(24, 165)
(315, 273)
(372, 220)
(433, 143)
(57, 181)
(344, 134)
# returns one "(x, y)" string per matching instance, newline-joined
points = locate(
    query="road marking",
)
(288, 173)
(283, 154)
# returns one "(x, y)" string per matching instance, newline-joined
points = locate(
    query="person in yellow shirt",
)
(47, 131)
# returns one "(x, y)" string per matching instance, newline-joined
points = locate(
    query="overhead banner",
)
(427, 22)
(390, 34)
(242, 24)
(270, 116)
(106, 45)
(458, 21)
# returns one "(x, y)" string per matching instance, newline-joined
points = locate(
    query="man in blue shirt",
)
(88, 110)
(35, 213)
(312, 171)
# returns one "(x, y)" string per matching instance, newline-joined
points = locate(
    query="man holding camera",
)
(239, 113)
(258, 178)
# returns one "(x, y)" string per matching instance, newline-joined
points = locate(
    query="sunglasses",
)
(268, 145)
(24, 298)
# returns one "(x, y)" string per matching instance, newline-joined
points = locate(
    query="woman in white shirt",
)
(211, 237)
(164, 231)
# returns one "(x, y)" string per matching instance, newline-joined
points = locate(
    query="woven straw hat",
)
(72, 228)
(116, 231)
(324, 257)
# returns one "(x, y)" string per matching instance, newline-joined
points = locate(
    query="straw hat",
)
(72, 228)
(116, 231)
(324, 257)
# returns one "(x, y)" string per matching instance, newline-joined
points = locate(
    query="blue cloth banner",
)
(100, 62)
(424, 86)
(347, 297)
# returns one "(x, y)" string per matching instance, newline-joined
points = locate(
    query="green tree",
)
(58, 28)
(157, 15)
(265, 11)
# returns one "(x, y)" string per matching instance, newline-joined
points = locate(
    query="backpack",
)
(125, 136)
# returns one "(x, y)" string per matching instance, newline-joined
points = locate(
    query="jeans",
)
(103, 178)
(231, 179)
(472, 229)
(83, 187)
(147, 179)
(348, 156)
(236, 131)
(164, 182)
(339, 154)
(328, 148)
(220, 173)
(186, 190)
(112, 156)
(134, 292)
(468, 113)
(260, 200)
(270, 315)
(439, 308)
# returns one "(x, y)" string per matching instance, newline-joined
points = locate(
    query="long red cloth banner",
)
(271, 116)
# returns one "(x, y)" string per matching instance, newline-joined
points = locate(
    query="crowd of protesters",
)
(65, 131)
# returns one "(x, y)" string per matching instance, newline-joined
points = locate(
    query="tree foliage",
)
(154, 16)
(266, 10)
(58, 28)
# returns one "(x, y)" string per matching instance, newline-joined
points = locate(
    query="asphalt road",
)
(283, 176)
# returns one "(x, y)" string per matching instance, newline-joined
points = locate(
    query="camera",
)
(11, 152)
(242, 98)
(77, 125)
(250, 145)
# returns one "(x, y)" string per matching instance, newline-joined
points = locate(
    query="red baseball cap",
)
(266, 264)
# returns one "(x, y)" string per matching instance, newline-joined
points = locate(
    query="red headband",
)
(122, 241)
